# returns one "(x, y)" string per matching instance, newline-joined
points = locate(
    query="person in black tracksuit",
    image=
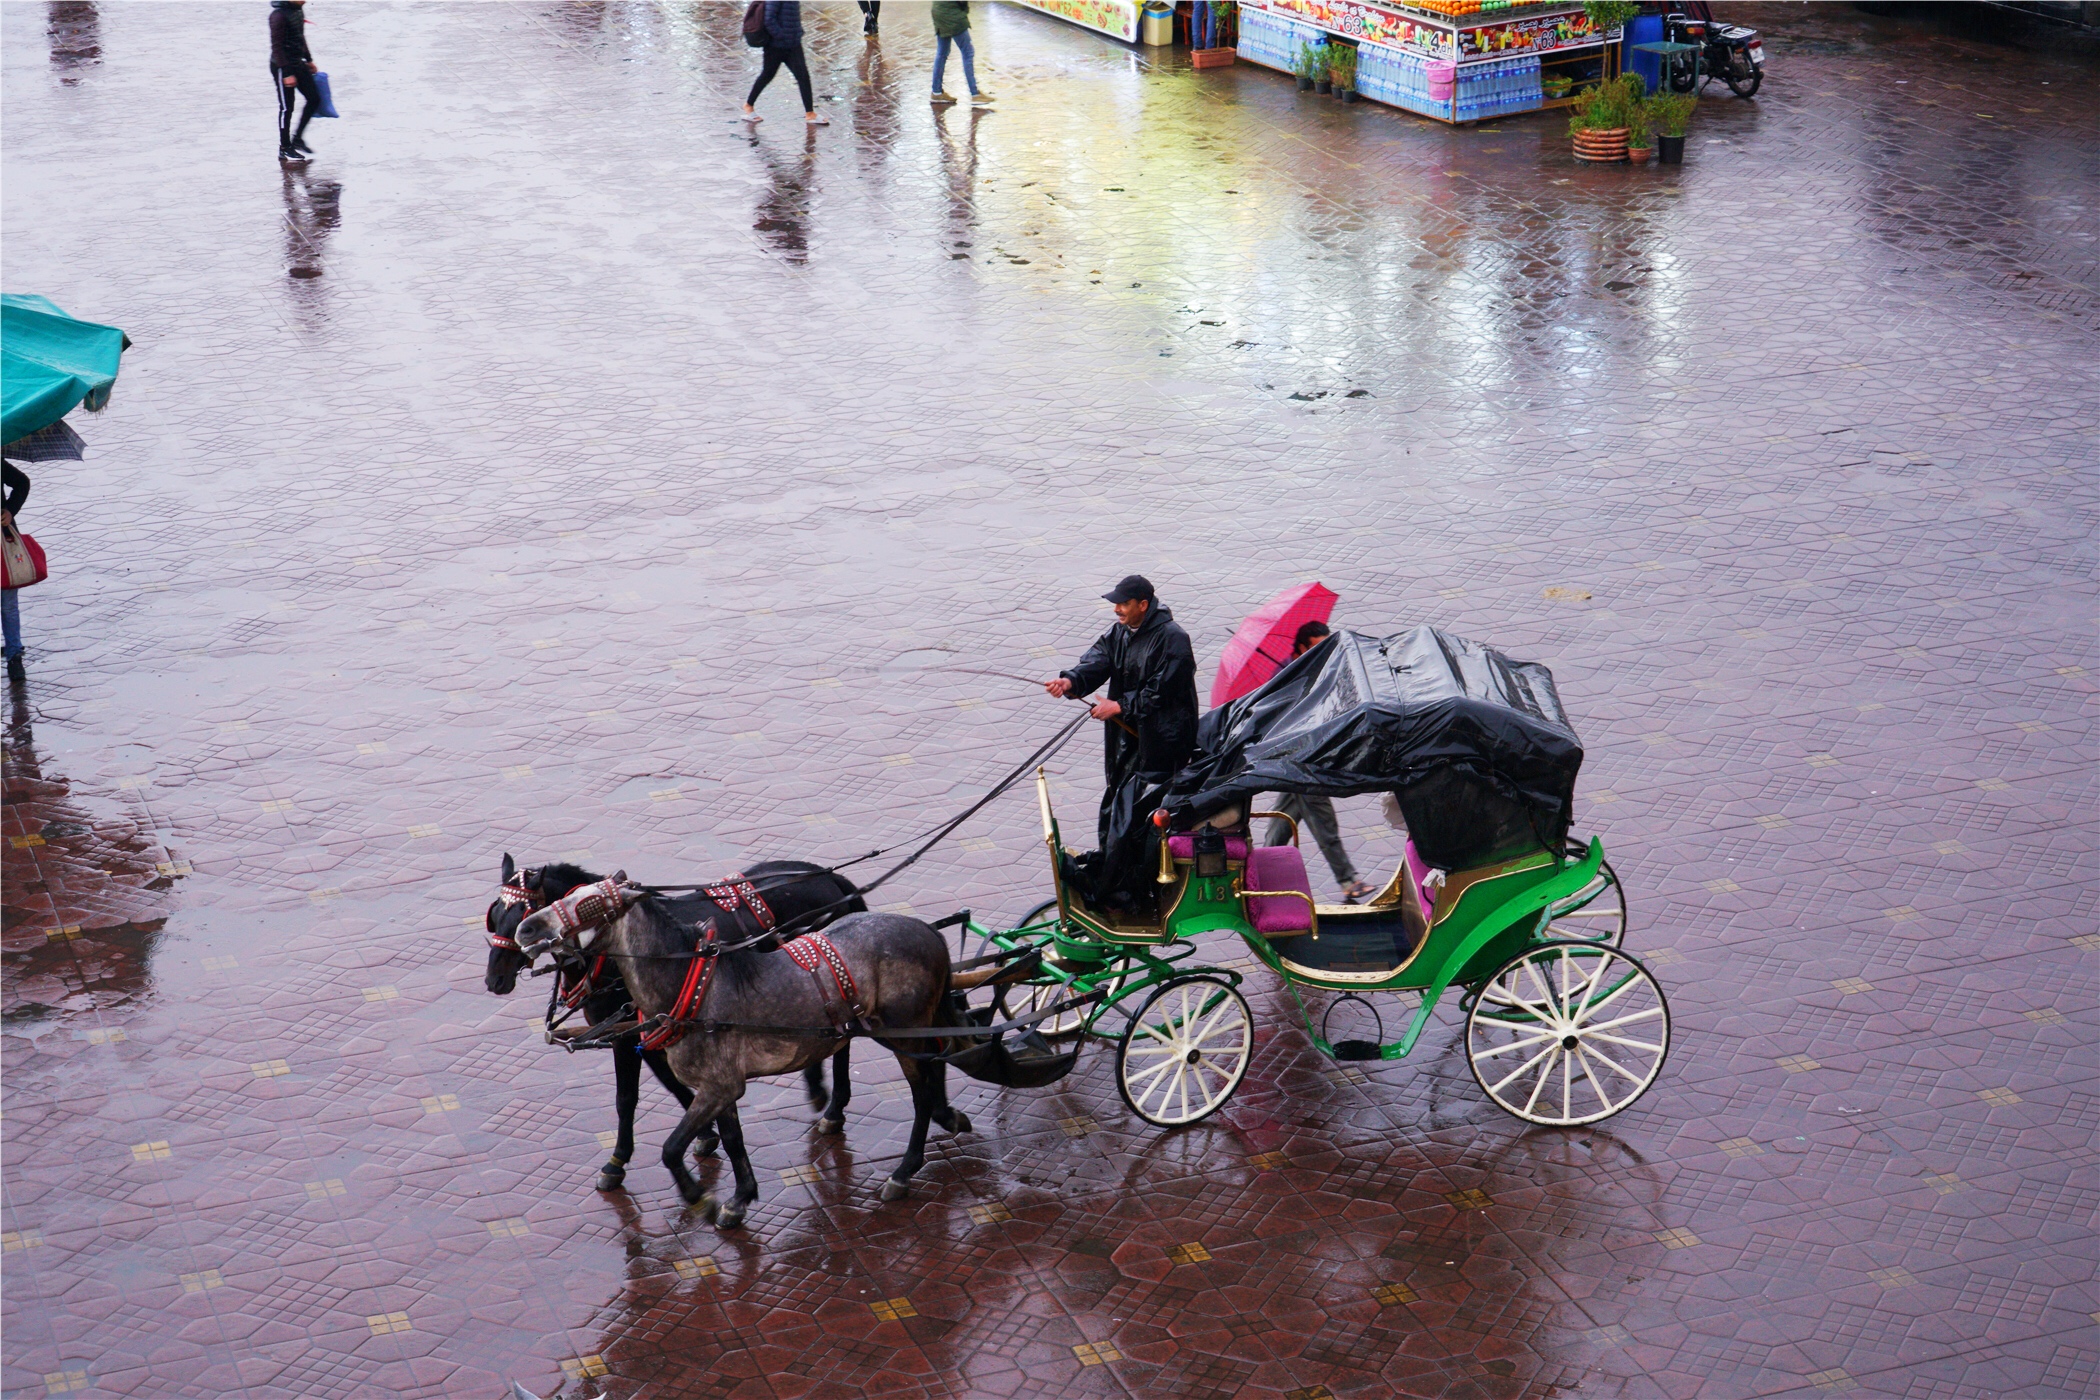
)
(1150, 710)
(292, 70)
(784, 50)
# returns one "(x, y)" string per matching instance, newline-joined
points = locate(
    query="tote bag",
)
(23, 556)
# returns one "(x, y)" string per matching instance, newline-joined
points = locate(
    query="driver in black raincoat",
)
(1150, 710)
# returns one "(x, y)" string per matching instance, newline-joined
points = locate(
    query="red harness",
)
(699, 975)
(734, 892)
(513, 894)
(812, 951)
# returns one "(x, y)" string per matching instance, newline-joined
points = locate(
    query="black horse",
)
(756, 1012)
(800, 894)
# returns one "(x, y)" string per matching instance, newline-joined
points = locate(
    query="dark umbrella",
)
(57, 443)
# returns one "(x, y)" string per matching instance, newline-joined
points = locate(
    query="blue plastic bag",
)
(327, 107)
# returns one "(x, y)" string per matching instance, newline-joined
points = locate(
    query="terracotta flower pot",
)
(1602, 146)
(1639, 154)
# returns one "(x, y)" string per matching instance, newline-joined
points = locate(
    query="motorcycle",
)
(1730, 52)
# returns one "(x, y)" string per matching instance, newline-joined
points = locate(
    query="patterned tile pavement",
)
(558, 467)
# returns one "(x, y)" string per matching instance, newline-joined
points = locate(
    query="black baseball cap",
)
(1130, 589)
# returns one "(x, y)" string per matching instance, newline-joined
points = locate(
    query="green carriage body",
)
(1477, 753)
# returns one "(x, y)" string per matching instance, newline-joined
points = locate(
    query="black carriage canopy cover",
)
(1475, 746)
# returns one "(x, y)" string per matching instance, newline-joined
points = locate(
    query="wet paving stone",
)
(558, 466)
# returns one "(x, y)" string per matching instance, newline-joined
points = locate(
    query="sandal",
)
(1358, 890)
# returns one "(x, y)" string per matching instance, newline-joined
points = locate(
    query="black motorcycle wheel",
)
(1680, 80)
(1745, 87)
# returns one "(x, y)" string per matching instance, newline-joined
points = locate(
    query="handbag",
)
(24, 558)
(326, 106)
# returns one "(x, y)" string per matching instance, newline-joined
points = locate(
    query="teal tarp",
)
(50, 362)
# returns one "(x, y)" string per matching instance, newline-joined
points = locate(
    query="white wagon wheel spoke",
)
(1198, 1028)
(1573, 1068)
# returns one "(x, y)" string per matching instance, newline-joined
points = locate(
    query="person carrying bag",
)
(21, 556)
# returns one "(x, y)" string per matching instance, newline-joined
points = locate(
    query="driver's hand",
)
(1106, 709)
(1060, 687)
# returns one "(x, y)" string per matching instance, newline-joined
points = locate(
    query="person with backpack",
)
(292, 70)
(776, 27)
(951, 25)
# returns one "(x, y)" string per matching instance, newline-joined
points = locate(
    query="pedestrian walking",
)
(870, 18)
(14, 484)
(1317, 813)
(951, 26)
(292, 70)
(783, 49)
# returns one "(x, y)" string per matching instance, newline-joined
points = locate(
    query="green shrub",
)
(1341, 65)
(1671, 112)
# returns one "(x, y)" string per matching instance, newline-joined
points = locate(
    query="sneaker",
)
(942, 99)
(299, 144)
(288, 156)
(981, 98)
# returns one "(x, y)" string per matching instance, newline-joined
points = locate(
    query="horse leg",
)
(660, 1065)
(922, 1106)
(944, 1113)
(813, 1080)
(704, 1110)
(732, 1215)
(627, 1089)
(834, 1119)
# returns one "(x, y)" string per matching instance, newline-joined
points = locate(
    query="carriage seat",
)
(1278, 868)
(1418, 874)
(1182, 846)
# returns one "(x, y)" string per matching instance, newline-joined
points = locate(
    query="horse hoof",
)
(611, 1179)
(691, 1193)
(831, 1125)
(710, 1209)
(731, 1218)
(894, 1190)
(705, 1146)
(960, 1123)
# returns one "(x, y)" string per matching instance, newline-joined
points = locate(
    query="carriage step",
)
(1356, 1050)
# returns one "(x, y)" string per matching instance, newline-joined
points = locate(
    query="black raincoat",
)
(1151, 673)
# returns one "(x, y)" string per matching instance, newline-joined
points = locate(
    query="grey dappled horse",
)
(801, 894)
(899, 967)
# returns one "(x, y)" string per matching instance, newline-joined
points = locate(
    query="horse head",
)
(520, 893)
(569, 925)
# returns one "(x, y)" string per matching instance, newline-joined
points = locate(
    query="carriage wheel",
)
(1568, 1033)
(1185, 1052)
(1602, 920)
(1048, 906)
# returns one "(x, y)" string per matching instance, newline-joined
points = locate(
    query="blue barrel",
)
(1643, 29)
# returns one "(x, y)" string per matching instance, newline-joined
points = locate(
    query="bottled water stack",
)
(1498, 87)
(1273, 41)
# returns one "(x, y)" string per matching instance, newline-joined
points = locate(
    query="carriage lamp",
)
(1210, 852)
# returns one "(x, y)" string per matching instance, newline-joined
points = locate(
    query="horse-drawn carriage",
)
(1563, 1026)
(1489, 896)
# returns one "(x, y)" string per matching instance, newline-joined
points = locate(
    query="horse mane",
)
(562, 873)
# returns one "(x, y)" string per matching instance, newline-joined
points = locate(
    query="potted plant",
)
(1309, 63)
(1639, 143)
(1607, 15)
(1341, 70)
(1671, 112)
(1603, 117)
(1556, 86)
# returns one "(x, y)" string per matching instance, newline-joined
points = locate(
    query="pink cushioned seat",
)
(1182, 844)
(1418, 872)
(1278, 868)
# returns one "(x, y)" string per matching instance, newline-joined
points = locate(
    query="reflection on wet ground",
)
(609, 481)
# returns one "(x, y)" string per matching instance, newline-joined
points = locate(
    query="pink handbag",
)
(23, 556)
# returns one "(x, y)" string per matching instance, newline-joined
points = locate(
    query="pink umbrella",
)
(1262, 646)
